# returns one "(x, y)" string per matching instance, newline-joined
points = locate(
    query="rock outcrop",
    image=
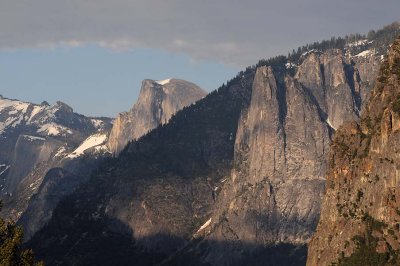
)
(361, 210)
(275, 190)
(157, 102)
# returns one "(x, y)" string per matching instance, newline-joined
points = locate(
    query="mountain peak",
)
(158, 101)
(63, 106)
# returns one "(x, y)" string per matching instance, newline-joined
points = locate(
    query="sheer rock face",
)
(338, 84)
(362, 199)
(156, 104)
(277, 182)
(275, 192)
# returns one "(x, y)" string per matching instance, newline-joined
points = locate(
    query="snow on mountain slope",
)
(93, 141)
(45, 120)
(365, 53)
(52, 129)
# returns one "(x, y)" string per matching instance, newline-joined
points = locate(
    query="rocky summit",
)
(158, 101)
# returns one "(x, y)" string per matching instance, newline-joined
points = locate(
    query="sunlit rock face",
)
(157, 102)
(360, 212)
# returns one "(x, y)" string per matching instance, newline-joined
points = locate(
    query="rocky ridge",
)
(35, 138)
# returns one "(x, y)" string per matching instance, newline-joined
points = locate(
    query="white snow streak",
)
(54, 130)
(364, 53)
(90, 142)
(330, 124)
(204, 226)
(33, 138)
(2, 172)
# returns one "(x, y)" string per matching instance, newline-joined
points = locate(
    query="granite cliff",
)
(158, 101)
(361, 212)
(270, 204)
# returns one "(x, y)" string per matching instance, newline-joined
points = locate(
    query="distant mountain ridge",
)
(33, 139)
(57, 127)
(48, 151)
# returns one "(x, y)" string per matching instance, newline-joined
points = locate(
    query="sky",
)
(93, 54)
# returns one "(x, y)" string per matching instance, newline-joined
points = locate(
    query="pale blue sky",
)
(94, 54)
(98, 81)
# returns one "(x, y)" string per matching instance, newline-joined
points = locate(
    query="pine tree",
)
(11, 252)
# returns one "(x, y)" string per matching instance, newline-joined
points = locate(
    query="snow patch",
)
(35, 111)
(14, 104)
(364, 53)
(90, 142)
(309, 52)
(204, 226)
(290, 65)
(10, 122)
(101, 148)
(97, 123)
(330, 124)
(5, 169)
(358, 43)
(13, 112)
(54, 130)
(163, 82)
(32, 138)
(60, 151)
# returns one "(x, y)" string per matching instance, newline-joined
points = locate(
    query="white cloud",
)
(231, 31)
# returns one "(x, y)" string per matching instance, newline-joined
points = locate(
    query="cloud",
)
(230, 31)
